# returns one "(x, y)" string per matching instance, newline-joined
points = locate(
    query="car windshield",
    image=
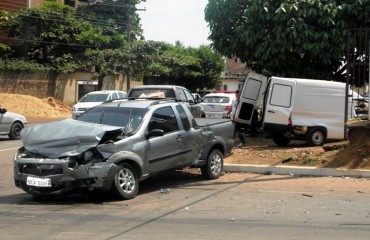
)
(128, 118)
(101, 97)
(216, 99)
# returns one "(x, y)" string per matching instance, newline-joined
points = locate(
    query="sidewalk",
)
(296, 171)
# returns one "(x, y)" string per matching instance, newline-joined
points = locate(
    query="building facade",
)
(234, 75)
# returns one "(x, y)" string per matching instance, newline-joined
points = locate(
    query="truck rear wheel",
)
(126, 182)
(315, 137)
(214, 165)
(280, 139)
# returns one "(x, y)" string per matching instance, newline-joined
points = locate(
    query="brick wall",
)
(38, 85)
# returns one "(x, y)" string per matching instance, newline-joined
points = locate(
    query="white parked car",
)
(216, 105)
(11, 124)
(93, 99)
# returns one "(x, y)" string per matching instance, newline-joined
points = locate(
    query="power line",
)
(39, 41)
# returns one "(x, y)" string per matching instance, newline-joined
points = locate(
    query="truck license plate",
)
(38, 182)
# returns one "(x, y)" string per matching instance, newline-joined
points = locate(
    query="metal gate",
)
(357, 71)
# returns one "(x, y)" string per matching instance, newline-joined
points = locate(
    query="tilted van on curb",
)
(292, 108)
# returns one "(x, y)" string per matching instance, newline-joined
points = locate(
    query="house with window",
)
(234, 75)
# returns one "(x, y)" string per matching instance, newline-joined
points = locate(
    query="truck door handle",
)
(270, 111)
(179, 138)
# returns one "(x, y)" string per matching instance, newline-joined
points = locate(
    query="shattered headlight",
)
(88, 156)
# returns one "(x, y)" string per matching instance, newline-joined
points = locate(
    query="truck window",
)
(164, 119)
(184, 118)
(281, 95)
(181, 94)
(189, 97)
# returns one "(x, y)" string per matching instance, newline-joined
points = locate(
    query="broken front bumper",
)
(53, 176)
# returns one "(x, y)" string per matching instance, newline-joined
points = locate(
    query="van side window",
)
(184, 118)
(252, 89)
(281, 95)
(164, 119)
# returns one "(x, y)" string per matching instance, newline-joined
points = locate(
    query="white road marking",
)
(8, 149)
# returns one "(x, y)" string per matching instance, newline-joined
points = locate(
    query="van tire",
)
(280, 139)
(315, 137)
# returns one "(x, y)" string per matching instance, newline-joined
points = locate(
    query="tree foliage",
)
(106, 36)
(289, 38)
(190, 67)
(114, 16)
(51, 35)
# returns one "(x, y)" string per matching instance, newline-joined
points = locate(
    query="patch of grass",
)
(310, 162)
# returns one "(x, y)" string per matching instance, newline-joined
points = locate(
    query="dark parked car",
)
(169, 91)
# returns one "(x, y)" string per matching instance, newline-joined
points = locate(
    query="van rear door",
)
(251, 98)
(278, 103)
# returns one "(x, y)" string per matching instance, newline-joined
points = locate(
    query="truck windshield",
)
(148, 92)
(128, 118)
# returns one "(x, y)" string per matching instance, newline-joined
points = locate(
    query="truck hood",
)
(66, 138)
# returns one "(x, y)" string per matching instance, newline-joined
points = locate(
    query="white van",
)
(292, 108)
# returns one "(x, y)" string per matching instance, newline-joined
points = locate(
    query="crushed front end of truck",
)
(63, 156)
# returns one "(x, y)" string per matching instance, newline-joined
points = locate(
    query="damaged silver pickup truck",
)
(115, 145)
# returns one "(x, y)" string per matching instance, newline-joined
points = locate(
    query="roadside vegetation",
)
(107, 36)
(302, 39)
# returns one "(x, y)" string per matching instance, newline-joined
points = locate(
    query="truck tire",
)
(280, 140)
(126, 182)
(214, 165)
(15, 131)
(315, 137)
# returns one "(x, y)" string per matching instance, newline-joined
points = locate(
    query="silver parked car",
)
(92, 99)
(216, 105)
(11, 124)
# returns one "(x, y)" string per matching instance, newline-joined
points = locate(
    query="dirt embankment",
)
(35, 109)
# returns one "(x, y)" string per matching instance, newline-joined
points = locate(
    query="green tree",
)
(51, 35)
(114, 16)
(291, 38)
(187, 66)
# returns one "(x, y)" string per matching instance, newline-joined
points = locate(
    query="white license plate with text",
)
(38, 182)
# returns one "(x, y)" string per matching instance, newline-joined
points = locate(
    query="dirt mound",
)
(35, 109)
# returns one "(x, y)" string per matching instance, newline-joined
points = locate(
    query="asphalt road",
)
(236, 206)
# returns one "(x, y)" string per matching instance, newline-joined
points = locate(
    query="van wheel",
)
(280, 139)
(315, 137)
(126, 182)
(214, 165)
(15, 131)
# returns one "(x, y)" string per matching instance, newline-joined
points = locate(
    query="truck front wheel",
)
(126, 182)
(214, 165)
(280, 139)
(315, 137)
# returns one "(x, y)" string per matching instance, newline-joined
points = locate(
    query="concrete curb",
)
(289, 170)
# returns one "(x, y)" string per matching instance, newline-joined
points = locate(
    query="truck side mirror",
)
(155, 133)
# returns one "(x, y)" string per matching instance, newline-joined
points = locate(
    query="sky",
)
(175, 20)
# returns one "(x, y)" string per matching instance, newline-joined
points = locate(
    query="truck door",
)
(278, 103)
(251, 98)
(164, 152)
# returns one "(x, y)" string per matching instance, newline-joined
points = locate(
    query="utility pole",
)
(128, 85)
